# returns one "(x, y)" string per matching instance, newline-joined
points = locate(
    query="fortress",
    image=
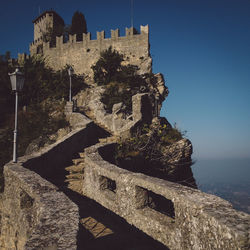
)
(39, 211)
(82, 52)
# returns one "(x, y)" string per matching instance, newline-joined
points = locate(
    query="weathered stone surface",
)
(179, 152)
(77, 120)
(117, 122)
(34, 214)
(197, 220)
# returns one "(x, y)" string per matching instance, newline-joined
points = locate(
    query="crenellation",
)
(72, 38)
(59, 41)
(115, 34)
(144, 29)
(86, 37)
(129, 31)
(100, 35)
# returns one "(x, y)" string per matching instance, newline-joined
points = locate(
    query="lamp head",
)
(17, 80)
(70, 71)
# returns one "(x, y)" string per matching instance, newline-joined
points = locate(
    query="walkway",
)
(99, 228)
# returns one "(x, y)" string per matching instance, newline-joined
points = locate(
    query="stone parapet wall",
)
(34, 213)
(83, 54)
(117, 122)
(189, 218)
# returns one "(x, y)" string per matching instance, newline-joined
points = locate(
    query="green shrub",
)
(149, 143)
(107, 67)
(121, 82)
(42, 82)
(116, 93)
(42, 94)
(35, 122)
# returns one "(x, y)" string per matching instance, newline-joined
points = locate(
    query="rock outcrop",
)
(179, 152)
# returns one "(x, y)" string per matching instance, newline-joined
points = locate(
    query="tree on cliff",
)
(107, 67)
(78, 24)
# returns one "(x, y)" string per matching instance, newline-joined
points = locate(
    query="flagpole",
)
(132, 14)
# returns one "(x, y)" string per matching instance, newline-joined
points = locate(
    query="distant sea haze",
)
(227, 178)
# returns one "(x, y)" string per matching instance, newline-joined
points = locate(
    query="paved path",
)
(100, 229)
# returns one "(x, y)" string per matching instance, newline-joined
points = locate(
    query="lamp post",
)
(70, 72)
(157, 97)
(17, 82)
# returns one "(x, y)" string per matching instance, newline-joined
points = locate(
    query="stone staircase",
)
(110, 139)
(76, 170)
(89, 113)
(76, 174)
(98, 227)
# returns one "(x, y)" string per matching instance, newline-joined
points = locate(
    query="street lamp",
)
(157, 97)
(70, 72)
(17, 82)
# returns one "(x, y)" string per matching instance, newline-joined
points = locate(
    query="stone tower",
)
(48, 23)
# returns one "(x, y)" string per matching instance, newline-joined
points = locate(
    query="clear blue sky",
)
(201, 46)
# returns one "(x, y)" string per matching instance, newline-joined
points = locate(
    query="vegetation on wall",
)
(148, 152)
(150, 142)
(121, 81)
(42, 82)
(108, 67)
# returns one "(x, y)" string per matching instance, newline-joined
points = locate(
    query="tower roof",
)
(44, 13)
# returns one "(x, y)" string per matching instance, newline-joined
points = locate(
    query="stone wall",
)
(82, 54)
(34, 213)
(178, 216)
(117, 122)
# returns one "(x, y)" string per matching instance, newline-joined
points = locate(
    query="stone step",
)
(82, 154)
(75, 168)
(96, 228)
(76, 186)
(78, 161)
(91, 115)
(72, 177)
(108, 139)
(72, 180)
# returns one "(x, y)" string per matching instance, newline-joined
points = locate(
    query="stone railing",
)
(178, 216)
(117, 122)
(35, 214)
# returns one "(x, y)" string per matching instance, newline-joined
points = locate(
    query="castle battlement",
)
(100, 35)
(81, 51)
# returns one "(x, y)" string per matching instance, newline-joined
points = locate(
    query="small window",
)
(148, 199)
(107, 184)
(25, 200)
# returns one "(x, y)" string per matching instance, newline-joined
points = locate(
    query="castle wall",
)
(42, 25)
(83, 54)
